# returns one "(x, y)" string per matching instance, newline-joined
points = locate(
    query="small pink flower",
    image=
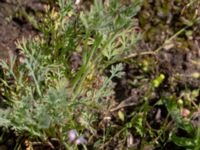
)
(185, 112)
(72, 135)
(77, 2)
(81, 140)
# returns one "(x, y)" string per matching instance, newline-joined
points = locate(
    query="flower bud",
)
(180, 102)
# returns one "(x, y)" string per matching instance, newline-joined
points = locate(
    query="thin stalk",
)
(85, 69)
(34, 79)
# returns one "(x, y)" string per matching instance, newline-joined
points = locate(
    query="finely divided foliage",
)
(47, 98)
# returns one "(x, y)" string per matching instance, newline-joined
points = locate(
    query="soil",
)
(14, 27)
